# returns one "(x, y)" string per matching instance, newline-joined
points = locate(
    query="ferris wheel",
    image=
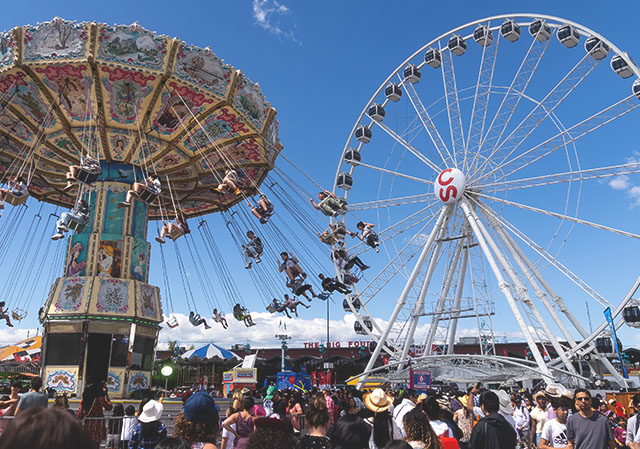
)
(485, 161)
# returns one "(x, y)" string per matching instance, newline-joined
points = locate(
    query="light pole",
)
(283, 339)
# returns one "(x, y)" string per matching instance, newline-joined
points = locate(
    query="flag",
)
(609, 318)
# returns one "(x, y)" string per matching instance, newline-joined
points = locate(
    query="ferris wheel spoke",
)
(512, 98)
(587, 126)
(453, 105)
(481, 98)
(391, 172)
(427, 122)
(408, 146)
(557, 215)
(505, 149)
(557, 178)
(391, 202)
(395, 265)
(486, 210)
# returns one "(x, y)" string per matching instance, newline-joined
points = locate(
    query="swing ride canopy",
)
(132, 98)
(209, 351)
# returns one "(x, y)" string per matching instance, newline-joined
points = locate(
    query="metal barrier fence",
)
(113, 426)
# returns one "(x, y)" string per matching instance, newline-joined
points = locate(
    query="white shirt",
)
(405, 407)
(508, 418)
(555, 433)
(631, 428)
(440, 428)
(521, 417)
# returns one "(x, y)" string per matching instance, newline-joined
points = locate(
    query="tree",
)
(173, 345)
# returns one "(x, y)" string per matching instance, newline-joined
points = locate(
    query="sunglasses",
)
(583, 399)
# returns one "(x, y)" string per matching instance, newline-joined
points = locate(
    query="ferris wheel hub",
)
(449, 185)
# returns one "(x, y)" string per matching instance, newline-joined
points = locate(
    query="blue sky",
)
(319, 63)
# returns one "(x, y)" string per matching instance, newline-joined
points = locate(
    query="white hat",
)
(505, 402)
(152, 411)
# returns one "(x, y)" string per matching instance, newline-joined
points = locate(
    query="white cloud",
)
(620, 183)
(13, 335)
(269, 15)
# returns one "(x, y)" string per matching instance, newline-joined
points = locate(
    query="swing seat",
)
(84, 175)
(18, 314)
(172, 322)
(15, 200)
(271, 308)
(77, 225)
(324, 296)
(175, 231)
(144, 192)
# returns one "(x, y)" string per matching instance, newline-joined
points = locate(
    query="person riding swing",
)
(197, 320)
(78, 216)
(4, 315)
(242, 314)
(17, 192)
(329, 204)
(253, 249)
(229, 183)
(290, 266)
(263, 209)
(174, 229)
(88, 170)
(368, 236)
(278, 307)
(218, 317)
(146, 191)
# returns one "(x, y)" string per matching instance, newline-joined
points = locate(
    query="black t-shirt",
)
(313, 442)
(280, 408)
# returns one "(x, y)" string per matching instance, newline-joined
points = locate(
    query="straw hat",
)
(538, 394)
(464, 400)
(443, 403)
(377, 401)
(152, 411)
(553, 391)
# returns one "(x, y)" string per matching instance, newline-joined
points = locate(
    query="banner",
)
(609, 318)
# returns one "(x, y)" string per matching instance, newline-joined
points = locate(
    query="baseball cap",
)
(200, 407)
(271, 391)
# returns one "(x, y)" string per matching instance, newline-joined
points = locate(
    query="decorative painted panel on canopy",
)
(126, 94)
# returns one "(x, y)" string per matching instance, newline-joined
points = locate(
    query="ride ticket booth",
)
(239, 378)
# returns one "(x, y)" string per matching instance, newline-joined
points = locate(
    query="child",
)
(128, 423)
(115, 428)
(554, 432)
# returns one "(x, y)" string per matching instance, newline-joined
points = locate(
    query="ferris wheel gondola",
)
(454, 189)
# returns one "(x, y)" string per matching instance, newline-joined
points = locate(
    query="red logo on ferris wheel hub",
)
(449, 185)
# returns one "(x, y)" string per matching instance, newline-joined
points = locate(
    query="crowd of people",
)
(326, 419)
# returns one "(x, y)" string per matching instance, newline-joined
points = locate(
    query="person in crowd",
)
(317, 422)
(332, 407)
(197, 320)
(538, 417)
(331, 285)
(619, 409)
(178, 227)
(4, 314)
(17, 188)
(228, 438)
(243, 421)
(349, 407)
(383, 427)
(329, 204)
(604, 409)
(263, 209)
(633, 423)
(271, 433)
(230, 183)
(46, 428)
(620, 432)
(522, 421)
(218, 317)
(198, 424)
(554, 432)
(252, 250)
(88, 163)
(242, 314)
(464, 420)
(351, 432)
(587, 428)
(506, 408)
(279, 404)
(151, 182)
(34, 398)
(79, 214)
(417, 431)
(150, 430)
(114, 427)
(95, 400)
(291, 267)
(174, 443)
(407, 403)
(294, 409)
(492, 431)
(367, 235)
(62, 402)
(129, 422)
